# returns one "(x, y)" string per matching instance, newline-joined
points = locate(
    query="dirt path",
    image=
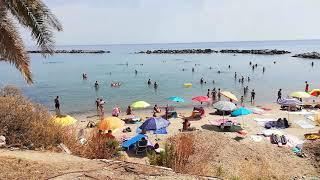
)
(47, 165)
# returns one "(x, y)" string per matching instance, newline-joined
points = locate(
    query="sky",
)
(91, 22)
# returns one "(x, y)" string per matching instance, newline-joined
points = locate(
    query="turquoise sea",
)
(61, 74)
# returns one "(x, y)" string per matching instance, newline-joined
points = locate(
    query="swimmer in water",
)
(192, 69)
(219, 72)
(201, 81)
(274, 62)
(250, 63)
(155, 85)
(312, 64)
(263, 69)
(149, 81)
(229, 66)
(210, 67)
(248, 78)
(235, 75)
(96, 84)
(135, 71)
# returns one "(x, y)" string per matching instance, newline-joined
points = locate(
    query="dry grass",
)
(24, 123)
(176, 154)
(96, 147)
(213, 154)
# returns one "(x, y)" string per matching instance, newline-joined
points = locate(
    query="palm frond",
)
(12, 49)
(34, 15)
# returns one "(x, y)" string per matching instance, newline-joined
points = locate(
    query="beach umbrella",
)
(110, 123)
(140, 104)
(229, 95)
(224, 106)
(290, 102)
(154, 124)
(241, 111)
(64, 120)
(300, 94)
(176, 99)
(201, 99)
(315, 92)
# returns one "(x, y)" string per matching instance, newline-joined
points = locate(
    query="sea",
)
(61, 74)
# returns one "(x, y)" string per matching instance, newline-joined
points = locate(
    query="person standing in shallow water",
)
(279, 95)
(208, 93)
(253, 95)
(307, 87)
(219, 94)
(57, 105)
(214, 94)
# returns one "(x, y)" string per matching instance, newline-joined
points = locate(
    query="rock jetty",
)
(178, 51)
(73, 51)
(255, 51)
(208, 51)
(308, 55)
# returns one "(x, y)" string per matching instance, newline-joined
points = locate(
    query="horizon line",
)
(111, 44)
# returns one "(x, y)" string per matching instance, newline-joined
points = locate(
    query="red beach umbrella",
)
(201, 99)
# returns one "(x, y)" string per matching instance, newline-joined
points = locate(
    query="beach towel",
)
(303, 112)
(262, 121)
(269, 132)
(304, 124)
(256, 138)
(293, 140)
(220, 121)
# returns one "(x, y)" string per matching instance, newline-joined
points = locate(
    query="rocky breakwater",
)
(178, 51)
(73, 51)
(255, 51)
(208, 51)
(308, 55)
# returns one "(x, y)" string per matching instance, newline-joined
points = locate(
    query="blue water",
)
(61, 74)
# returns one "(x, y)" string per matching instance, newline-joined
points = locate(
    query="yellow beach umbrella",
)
(140, 104)
(229, 95)
(300, 94)
(64, 120)
(110, 123)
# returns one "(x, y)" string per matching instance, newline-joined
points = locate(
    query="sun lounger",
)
(127, 144)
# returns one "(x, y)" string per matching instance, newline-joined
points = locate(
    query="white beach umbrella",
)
(224, 106)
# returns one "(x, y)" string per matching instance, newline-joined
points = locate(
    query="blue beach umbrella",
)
(154, 124)
(241, 111)
(176, 99)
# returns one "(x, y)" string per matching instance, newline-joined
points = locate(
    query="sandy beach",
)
(247, 123)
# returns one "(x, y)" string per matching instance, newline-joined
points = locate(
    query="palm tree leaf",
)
(12, 49)
(34, 15)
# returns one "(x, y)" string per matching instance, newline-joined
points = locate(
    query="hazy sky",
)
(162, 21)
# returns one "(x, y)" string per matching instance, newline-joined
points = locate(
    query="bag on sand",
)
(275, 139)
(284, 140)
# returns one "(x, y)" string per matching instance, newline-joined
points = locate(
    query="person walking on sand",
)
(307, 87)
(219, 94)
(253, 95)
(279, 95)
(208, 93)
(57, 105)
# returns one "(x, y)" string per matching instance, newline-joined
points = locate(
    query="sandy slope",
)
(46, 165)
